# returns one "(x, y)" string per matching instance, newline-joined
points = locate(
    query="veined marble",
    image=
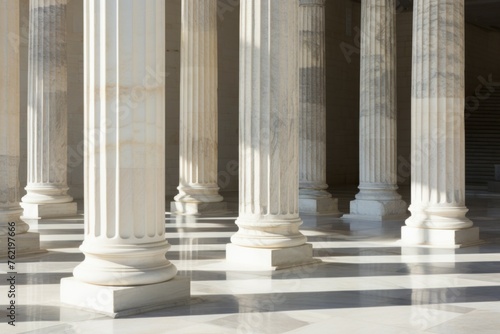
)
(124, 241)
(378, 198)
(313, 197)
(47, 190)
(366, 283)
(198, 187)
(268, 218)
(438, 151)
(10, 210)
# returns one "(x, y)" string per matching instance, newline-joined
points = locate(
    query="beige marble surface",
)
(313, 197)
(438, 150)
(198, 144)
(378, 197)
(47, 109)
(366, 284)
(124, 243)
(10, 209)
(269, 128)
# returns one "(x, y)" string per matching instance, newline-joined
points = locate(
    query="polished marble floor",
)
(366, 282)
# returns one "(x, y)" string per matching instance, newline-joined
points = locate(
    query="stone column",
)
(378, 198)
(438, 154)
(313, 197)
(47, 190)
(10, 210)
(269, 221)
(198, 189)
(124, 242)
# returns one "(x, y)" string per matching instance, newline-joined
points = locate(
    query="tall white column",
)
(313, 197)
(269, 221)
(47, 190)
(198, 189)
(378, 198)
(10, 210)
(124, 243)
(438, 154)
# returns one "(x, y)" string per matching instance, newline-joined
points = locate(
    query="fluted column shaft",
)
(47, 105)
(124, 144)
(10, 210)
(269, 125)
(438, 97)
(198, 103)
(313, 198)
(312, 99)
(378, 114)
(378, 97)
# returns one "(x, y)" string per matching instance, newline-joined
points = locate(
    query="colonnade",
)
(282, 139)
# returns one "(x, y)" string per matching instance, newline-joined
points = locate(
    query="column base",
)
(26, 243)
(377, 210)
(320, 206)
(123, 301)
(193, 208)
(325, 222)
(447, 255)
(269, 258)
(41, 211)
(413, 236)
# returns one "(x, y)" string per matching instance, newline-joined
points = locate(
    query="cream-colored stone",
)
(37, 211)
(124, 242)
(439, 237)
(385, 210)
(269, 125)
(313, 197)
(438, 150)
(269, 258)
(198, 107)
(47, 108)
(125, 301)
(10, 211)
(378, 198)
(26, 243)
(320, 206)
(197, 208)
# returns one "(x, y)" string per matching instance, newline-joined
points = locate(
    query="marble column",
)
(268, 235)
(438, 155)
(198, 189)
(378, 199)
(313, 197)
(124, 242)
(10, 210)
(47, 190)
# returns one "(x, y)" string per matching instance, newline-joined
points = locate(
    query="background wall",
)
(342, 84)
(172, 93)
(342, 52)
(482, 109)
(404, 50)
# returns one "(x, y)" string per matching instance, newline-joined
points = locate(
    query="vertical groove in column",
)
(312, 103)
(10, 209)
(438, 166)
(378, 103)
(378, 194)
(47, 105)
(268, 143)
(124, 144)
(198, 103)
(124, 120)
